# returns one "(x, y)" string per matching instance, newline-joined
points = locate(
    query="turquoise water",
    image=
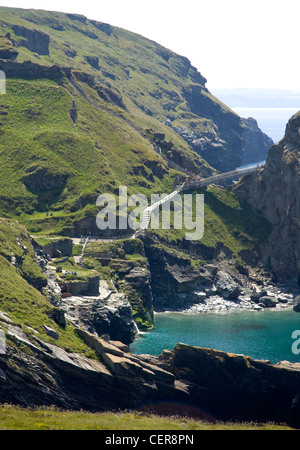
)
(260, 334)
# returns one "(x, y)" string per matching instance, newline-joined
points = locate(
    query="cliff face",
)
(192, 381)
(231, 140)
(274, 191)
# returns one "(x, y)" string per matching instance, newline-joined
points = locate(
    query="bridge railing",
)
(146, 214)
(220, 177)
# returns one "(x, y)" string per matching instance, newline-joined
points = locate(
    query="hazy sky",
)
(233, 43)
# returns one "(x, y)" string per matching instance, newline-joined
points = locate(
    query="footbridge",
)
(188, 184)
(219, 178)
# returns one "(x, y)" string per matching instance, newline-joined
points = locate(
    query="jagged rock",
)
(273, 191)
(58, 315)
(73, 112)
(36, 41)
(227, 287)
(120, 345)
(268, 302)
(93, 61)
(112, 316)
(27, 69)
(41, 179)
(139, 279)
(257, 143)
(232, 140)
(99, 344)
(105, 27)
(296, 306)
(172, 275)
(88, 287)
(52, 333)
(186, 380)
(111, 96)
(7, 49)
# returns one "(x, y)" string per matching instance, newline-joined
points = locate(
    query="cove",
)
(263, 334)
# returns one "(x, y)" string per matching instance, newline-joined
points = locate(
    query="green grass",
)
(26, 305)
(108, 146)
(95, 156)
(68, 267)
(15, 418)
(226, 221)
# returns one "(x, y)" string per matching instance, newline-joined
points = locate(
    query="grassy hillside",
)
(50, 163)
(65, 140)
(21, 290)
(226, 220)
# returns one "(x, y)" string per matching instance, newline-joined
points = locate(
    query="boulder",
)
(50, 332)
(112, 316)
(296, 306)
(58, 315)
(227, 287)
(267, 301)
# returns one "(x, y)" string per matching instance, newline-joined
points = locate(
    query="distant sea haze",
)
(271, 121)
(272, 108)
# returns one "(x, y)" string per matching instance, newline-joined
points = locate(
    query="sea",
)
(268, 334)
(272, 121)
(272, 108)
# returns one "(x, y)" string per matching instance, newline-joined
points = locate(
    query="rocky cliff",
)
(273, 191)
(192, 381)
(231, 141)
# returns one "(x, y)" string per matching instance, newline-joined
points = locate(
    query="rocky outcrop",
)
(105, 27)
(131, 275)
(227, 287)
(36, 41)
(57, 247)
(232, 140)
(106, 312)
(112, 316)
(7, 48)
(192, 381)
(73, 112)
(88, 286)
(172, 276)
(257, 143)
(41, 179)
(27, 69)
(93, 61)
(139, 280)
(172, 153)
(273, 191)
(105, 92)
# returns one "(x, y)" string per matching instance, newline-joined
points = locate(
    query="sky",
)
(233, 43)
